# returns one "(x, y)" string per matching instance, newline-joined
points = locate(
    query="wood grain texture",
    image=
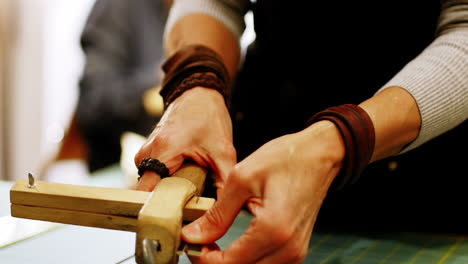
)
(160, 219)
(109, 201)
(79, 198)
(195, 174)
(75, 217)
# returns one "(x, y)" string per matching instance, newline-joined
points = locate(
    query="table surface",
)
(76, 244)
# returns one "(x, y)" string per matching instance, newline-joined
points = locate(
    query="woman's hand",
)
(195, 126)
(283, 184)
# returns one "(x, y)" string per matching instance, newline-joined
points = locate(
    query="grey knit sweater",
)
(437, 78)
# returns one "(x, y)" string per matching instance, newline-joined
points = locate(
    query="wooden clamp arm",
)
(109, 208)
(114, 208)
(160, 219)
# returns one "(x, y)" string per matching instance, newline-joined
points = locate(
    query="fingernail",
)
(192, 232)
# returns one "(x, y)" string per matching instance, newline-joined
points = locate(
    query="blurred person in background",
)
(122, 44)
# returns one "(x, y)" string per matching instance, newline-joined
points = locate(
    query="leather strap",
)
(358, 134)
(184, 71)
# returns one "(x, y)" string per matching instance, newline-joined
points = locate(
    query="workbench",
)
(76, 244)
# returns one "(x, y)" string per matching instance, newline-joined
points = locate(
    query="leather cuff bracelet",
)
(358, 135)
(193, 66)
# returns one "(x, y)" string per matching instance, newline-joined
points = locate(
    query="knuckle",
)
(242, 177)
(159, 140)
(214, 217)
(139, 157)
(228, 150)
(238, 174)
(152, 145)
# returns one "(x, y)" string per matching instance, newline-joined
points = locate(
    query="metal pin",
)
(31, 181)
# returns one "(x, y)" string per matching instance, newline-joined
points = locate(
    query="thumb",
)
(216, 221)
(148, 181)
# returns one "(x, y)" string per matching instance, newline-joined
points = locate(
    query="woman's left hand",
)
(283, 184)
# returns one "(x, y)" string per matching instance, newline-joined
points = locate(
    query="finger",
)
(224, 159)
(205, 250)
(221, 159)
(144, 151)
(141, 154)
(148, 181)
(223, 168)
(216, 221)
(257, 242)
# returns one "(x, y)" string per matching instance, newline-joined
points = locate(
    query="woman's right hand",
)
(196, 126)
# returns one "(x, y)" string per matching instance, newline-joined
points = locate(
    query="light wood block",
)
(160, 219)
(75, 217)
(79, 198)
(109, 201)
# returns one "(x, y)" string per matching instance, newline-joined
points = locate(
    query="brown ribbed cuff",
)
(358, 134)
(192, 66)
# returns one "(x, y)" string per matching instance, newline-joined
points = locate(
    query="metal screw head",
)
(150, 250)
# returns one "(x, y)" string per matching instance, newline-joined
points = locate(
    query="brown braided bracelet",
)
(193, 66)
(205, 79)
(358, 135)
(153, 165)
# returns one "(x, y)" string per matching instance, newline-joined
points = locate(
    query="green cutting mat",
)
(387, 248)
(393, 248)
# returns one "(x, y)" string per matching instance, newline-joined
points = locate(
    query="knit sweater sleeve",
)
(438, 77)
(228, 12)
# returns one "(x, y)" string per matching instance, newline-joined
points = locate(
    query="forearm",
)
(215, 24)
(396, 119)
(210, 33)
(438, 78)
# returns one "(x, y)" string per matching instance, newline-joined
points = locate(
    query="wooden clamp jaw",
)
(160, 219)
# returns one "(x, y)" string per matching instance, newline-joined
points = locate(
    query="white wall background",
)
(5, 17)
(44, 65)
(64, 61)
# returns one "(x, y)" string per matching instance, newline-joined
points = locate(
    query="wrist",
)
(202, 95)
(396, 119)
(326, 137)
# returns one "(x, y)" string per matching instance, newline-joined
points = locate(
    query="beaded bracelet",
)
(153, 165)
